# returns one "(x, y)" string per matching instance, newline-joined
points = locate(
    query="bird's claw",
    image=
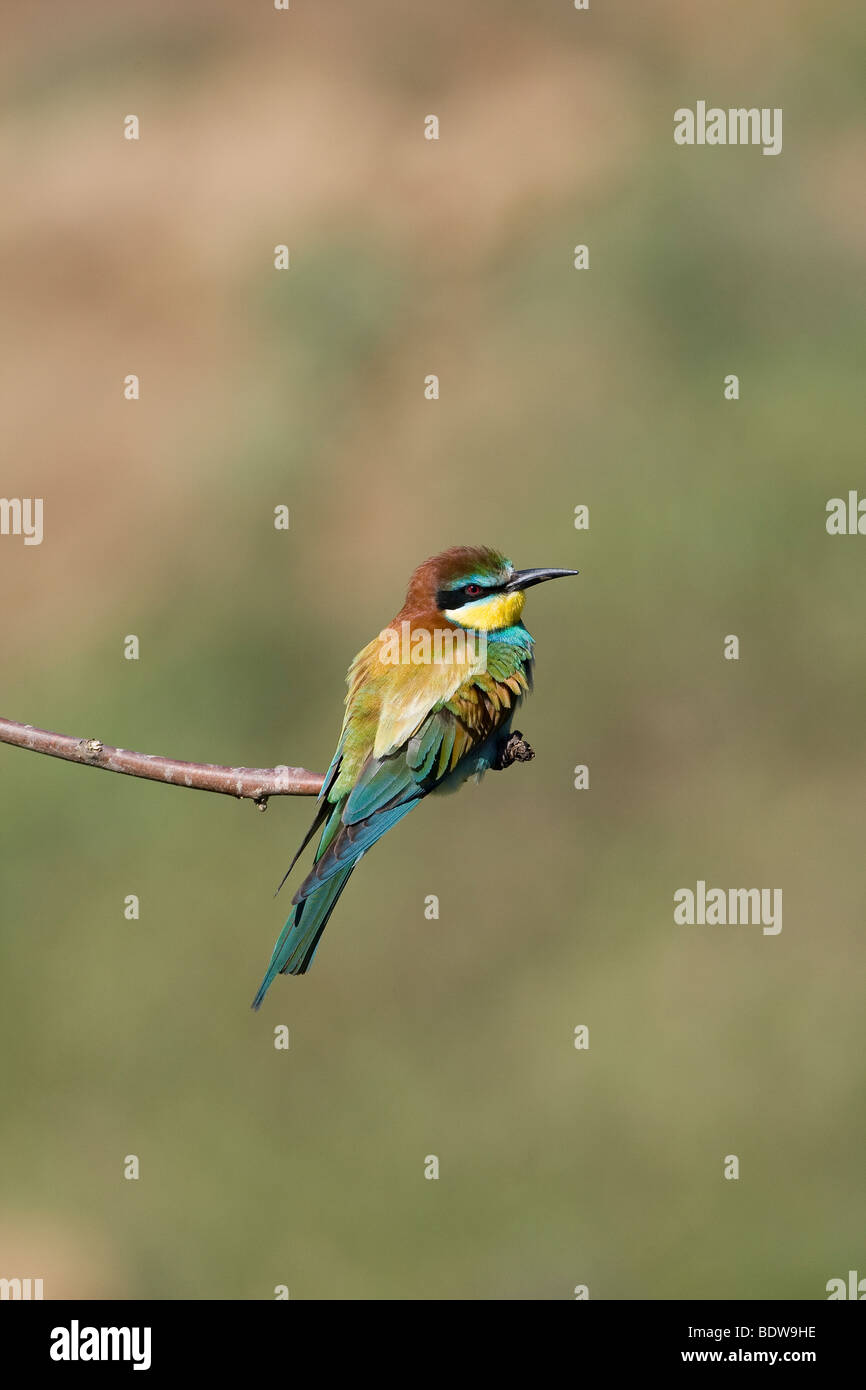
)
(514, 749)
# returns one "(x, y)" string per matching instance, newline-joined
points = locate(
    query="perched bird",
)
(430, 704)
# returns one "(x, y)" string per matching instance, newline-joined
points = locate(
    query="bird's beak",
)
(524, 579)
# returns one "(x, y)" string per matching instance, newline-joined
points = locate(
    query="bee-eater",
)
(430, 704)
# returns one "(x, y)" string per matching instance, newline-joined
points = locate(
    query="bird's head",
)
(474, 587)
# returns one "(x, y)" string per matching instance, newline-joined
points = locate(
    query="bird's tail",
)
(341, 847)
(297, 942)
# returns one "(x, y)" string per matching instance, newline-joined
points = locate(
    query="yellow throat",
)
(500, 610)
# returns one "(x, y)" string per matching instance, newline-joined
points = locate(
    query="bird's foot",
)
(514, 749)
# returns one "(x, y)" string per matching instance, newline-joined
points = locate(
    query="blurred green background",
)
(605, 387)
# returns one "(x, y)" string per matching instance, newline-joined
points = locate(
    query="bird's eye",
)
(473, 590)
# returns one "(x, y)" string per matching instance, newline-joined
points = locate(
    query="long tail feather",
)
(322, 814)
(297, 942)
(341, 847)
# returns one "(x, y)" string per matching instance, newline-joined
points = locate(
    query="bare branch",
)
(251, 783)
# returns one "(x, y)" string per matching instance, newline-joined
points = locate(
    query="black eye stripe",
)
(456, 598)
